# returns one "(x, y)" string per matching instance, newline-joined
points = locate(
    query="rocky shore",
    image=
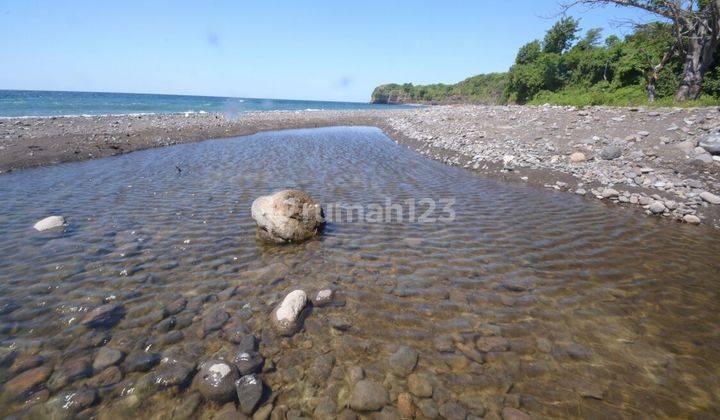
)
(648, 159)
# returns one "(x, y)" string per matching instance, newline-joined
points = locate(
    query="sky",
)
(321, 50)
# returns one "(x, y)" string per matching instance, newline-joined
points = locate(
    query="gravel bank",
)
(648, 159)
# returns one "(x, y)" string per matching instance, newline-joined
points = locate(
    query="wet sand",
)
(659, 170)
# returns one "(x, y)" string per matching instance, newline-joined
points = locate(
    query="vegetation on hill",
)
(568, 68)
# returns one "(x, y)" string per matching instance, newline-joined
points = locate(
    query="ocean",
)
(26, 103)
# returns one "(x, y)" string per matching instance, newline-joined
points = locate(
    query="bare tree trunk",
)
(702, 41)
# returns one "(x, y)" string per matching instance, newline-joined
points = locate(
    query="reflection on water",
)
(593, 311)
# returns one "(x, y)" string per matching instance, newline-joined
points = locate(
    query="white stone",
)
(51, 222)
(220, 369)
(291, 306)
(710, 197)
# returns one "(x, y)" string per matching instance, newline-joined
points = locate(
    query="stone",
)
(453, 411)
(217, 380)
(51, 222)
(249, 391)
(25, 362)
(643, 133)
(214, 321)
(321, 368)
(710, 197)
(68, 404)
(176, 306)
(69, 372)
(239, 334)
(323, 298)
(657, 207)
(428, 408)
(326, 409)
(287, 216)
(248, 362)
(174, 371)
(355, 374)
(577, 157)
(609, 193)
(512, 413)
(405, 405)
(286, 317)
(488, 344)
(107, 357)
(140, 361)
(611, 152)
(368, 395)
(109, 376)
(711, 143)
(187, 407)
(691, 219)
(21, 385)
(104, 316)
(403, 361)
(229, 412)
(419, 385)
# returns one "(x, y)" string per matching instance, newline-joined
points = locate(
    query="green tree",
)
(561, 35)
(529, 52)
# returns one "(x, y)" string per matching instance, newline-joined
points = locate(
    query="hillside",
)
(480, 89)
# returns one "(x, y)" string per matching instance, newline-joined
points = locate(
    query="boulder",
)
(286, 317)
(287, 216)
(711, 143)
(217, 380)
(48, 223)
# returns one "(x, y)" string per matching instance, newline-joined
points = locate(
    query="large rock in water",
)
(287, 216)
(48, 223)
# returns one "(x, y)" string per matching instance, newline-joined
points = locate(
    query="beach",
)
(645, 159)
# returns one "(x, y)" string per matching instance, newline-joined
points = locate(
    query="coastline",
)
(659, 169)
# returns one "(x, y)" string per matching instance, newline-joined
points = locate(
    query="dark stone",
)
(249, 391)
(174, 372)
(611, 152)
(107, 377)
(104, 316)
(166, 324)
(248, 362)
(139, 361)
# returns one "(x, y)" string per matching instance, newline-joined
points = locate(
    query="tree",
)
(529, 52)
(696, 28)
(561, 35)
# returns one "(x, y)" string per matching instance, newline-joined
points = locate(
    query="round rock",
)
(48, 223)
(217, 380)
(287, 216)
(403, 361)
(286, 317)
(368, 395)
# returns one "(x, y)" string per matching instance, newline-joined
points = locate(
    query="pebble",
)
(26, 382)
(69, 372)
(323, 298)
(453, 411)
(68, 404)
(512, 413)
(368, 395)
(419, 385)
(488, 344)
(577, 157)
(51, 222)
(140, 361)
(405, 405)
(247, 362)
(106, 357)
(214, 321)
(249, 391)
(403, 361)
(109, 376)
(104, 316)
(217, 380)
(611, 152)
(657, 207)
(428, 408)
(174, 371)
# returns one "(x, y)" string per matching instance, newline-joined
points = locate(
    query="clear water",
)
(21, 103)
(599, 312)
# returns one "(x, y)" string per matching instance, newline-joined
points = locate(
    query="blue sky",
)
(323, 50)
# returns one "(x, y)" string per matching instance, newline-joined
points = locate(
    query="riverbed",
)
(516, 300)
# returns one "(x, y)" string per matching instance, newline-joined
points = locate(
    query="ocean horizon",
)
(41, 103)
